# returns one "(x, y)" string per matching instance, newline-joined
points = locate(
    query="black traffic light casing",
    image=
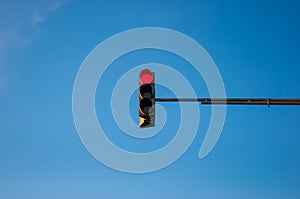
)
(146, 99)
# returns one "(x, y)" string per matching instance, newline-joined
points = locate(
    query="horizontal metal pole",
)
(235, 101)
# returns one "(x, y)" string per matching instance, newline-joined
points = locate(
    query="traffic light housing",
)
(146, 99)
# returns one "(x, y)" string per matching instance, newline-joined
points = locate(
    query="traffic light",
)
(146, 98)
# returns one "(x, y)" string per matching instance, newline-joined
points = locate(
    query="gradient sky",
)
(255, 45)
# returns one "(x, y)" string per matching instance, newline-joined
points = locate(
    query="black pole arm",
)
(235, 101)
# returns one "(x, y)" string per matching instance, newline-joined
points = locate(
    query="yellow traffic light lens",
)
(145, 105)
(146, 90)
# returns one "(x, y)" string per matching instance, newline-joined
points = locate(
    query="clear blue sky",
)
(255, 45)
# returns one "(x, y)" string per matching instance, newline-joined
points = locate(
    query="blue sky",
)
(255, 45)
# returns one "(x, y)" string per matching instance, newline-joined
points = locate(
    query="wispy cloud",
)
(56, 4)
(20, 21)
(23, 18)
(36, 19)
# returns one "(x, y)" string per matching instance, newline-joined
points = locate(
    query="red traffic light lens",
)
(146, 76)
